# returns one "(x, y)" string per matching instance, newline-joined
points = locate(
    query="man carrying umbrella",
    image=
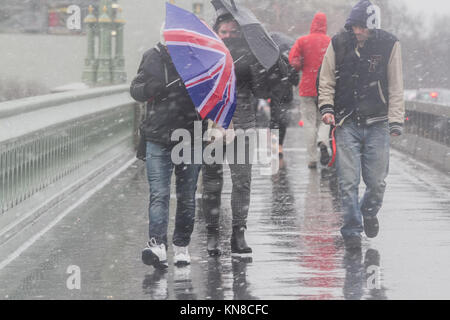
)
(250, 82)
(169, 107)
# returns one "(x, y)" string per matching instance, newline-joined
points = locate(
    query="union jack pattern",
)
(204, 64)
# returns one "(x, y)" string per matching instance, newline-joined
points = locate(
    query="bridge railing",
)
(427, 134)
(56, 142)
(46, 139)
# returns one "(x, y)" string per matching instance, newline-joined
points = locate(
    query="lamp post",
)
(104, 76)
(197, 8)
(105, 69)
(90, 63)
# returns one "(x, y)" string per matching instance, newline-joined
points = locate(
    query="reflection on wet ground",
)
(293, 228)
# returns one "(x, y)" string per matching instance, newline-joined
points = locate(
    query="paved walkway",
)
(293, 229)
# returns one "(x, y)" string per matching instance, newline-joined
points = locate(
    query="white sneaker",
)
(155, 255)
(181, 256)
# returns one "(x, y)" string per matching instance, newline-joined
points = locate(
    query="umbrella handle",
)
(173, 82)
(234, 5)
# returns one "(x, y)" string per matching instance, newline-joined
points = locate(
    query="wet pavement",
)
(293, 229)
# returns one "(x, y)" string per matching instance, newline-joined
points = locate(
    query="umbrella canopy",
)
(204, 63)
(259, 41)
(283, 41)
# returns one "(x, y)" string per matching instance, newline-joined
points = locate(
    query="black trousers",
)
(279, 118)
(241, 175)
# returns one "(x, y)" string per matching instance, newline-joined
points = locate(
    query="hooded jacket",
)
(360, 15)
(168, 107)
(366, 82)
(307, 54)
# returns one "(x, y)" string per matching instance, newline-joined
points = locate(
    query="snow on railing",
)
(43, 139)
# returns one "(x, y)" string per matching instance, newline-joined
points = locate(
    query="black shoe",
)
(352, 243)
(213, 242)
(312, 165)
(371, 226)
(372, 258)
(239, 246)
(324, 155)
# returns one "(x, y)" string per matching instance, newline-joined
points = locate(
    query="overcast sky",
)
(429, 6)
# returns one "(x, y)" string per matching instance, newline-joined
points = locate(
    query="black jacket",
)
(362, 83)
(168, 107)
(282, 77)
(251, 81)
(361, 77)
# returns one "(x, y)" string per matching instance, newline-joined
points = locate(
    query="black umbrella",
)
(283, 41)
(259, 41)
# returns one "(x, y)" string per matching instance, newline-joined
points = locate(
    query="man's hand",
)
(395, 129)
(328, 118)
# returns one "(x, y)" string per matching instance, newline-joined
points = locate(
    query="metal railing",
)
(44, 139)
(427, 134)
(428, 121)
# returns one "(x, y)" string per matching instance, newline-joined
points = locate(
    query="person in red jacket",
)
(306, 55)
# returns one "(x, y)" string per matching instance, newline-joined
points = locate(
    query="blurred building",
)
(50, 16)
(55, 48)
(40, 16)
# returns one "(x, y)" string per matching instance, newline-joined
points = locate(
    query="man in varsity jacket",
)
(361, 93)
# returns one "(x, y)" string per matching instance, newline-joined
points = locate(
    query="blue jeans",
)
(159, 173)
(361, 150)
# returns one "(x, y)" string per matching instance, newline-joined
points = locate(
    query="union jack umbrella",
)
(204, 63)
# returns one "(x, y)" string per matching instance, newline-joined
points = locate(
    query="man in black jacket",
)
(169, 108)
(361, 91)
(283, 77)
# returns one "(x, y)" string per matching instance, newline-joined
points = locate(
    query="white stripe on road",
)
(85, 197)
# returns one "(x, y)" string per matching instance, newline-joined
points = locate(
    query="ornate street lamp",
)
(90, 63)
(104, 76)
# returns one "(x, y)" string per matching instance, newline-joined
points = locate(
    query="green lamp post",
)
(104, 75)
(104, 69)
(90, 63)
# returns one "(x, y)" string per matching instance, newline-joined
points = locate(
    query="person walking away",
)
(169, 107)
(361, 92)
(284, 77)
(306, 55)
